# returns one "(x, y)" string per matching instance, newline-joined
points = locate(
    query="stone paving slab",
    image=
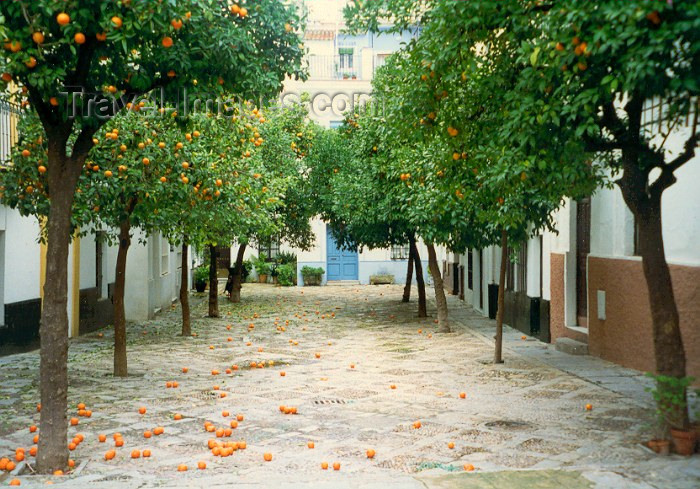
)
(518, 420)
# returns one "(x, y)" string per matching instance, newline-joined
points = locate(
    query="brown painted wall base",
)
(624, 337)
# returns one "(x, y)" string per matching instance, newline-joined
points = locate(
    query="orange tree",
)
(288, 137)
(353, 161)
(482, 189)
(112, 51)
(131, 161)
(229, 188)
(587, 85)
(573, 82)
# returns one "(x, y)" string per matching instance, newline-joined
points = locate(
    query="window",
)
(346, 58)
(522, 268)
(9, 113)
(470, 269)
(400, 252)
(636, 251)
(164, 256)
(270, 247)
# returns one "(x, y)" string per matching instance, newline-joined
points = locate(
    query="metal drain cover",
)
(330, 401)
(508, 424)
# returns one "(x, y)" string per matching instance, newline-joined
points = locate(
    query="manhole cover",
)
(330, 401)
(507, 424)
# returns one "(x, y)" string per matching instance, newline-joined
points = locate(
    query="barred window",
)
(270, 248)
(9, 115)
(399, 252)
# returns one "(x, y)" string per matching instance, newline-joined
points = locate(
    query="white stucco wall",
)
(138, 269)
(21, 264)
(612, 223)
(88, 262)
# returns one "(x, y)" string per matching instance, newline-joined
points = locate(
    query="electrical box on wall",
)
(601, 305)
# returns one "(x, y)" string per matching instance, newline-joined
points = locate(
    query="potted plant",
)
(201, 276)
(659, 442)
(354, 76)
(262, 268)
(274, 272)
(346, 76)
(312, 275)
(670, 393)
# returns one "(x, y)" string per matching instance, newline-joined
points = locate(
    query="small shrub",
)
(312, 275)
(285, 275)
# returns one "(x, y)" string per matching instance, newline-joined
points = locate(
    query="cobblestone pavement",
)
(521, 424)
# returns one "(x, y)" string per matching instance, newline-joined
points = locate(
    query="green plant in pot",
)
(274, 272)
(262, 267)
(670, 395)
(201, 277)
(312, 275)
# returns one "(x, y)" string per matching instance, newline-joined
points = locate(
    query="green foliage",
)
(262, 267)
(286, 274)
(246, 269)
(307, 271)
(670, 395)
(201, 273)
(287, 258)
(211, 36)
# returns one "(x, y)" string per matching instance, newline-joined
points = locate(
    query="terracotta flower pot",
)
(683, 441)
(262, 278)
(662, 447)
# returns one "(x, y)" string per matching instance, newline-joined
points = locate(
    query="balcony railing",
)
(335, 67)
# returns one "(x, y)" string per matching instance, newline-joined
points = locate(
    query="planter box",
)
(312, 280)
(381, 279)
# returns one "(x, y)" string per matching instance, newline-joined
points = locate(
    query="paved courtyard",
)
(361, 370)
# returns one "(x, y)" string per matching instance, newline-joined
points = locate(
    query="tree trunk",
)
(498, 353)
(669, 351)
(213, 284)
(440, 299)
(238, 274)
(120, 361)
(184, 291)
(52, 450)
(422, 308)
(409, 275)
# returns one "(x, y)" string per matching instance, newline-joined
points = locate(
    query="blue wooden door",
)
(342, 264)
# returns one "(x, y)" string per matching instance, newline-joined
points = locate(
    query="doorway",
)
(583, 248)
(342, 264)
